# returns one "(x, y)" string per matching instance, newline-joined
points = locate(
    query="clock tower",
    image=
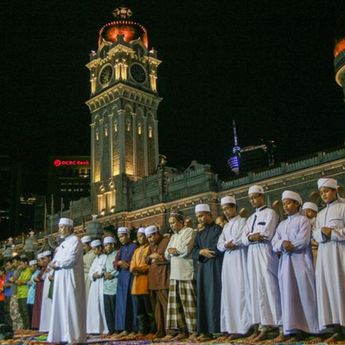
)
(123, 105)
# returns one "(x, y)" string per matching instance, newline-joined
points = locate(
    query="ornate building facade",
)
(123, 105)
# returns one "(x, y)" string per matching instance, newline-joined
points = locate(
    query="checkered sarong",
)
(181, 306)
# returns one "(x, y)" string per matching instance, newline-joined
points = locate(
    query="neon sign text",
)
(59, 163)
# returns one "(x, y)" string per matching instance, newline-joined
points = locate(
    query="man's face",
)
(309, 213)
(109, 248)
(290, 206)
(64, 230)
(328, 194)
(86, 247)
(153, 238)
(8, 266)
(204, 218)
(229, 211)
(141, 238)
(33, 267)
(188, 223)
(15, 263)
(123, 238)
(97, 250)
(256, 200)
(45, 261)
(175, 225)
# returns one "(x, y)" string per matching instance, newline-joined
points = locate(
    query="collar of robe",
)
(261, 209)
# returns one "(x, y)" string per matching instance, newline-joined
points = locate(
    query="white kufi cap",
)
(327, 182)
(108, 240)
(95, 243)
(32, 262)
(86, 239)
(47, 253)
(122, 230)
(40, 255)
(227, 200)
(202, 208)
(66, 221)
(141, 230)
(288, 194)
(311, 206)
(150, 230)
(256, 189)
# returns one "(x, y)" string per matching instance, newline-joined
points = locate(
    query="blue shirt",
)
(7, 290)
(32, 288)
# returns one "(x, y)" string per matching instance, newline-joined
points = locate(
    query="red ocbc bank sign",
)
(64, 163)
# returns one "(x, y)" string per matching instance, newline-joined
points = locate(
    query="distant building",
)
(258, 156)
(68, 180)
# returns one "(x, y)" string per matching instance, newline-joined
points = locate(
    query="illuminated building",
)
(123, 105)
(68, 180)
(339, 63)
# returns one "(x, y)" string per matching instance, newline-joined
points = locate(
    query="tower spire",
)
(234, 160)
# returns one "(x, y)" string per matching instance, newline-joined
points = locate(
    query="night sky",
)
(268, 65)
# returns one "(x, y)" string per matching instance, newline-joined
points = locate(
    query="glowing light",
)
(339, 47)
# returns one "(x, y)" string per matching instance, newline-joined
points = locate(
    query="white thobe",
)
(96, 322)
(330, 265)
(296, 276)
(88, 259)
(235, 290)
(46, 306)
(262, 265)
(68, 321)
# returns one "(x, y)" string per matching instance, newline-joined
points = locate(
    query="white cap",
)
(141, 230)
(108, 240)
(150, 230)
(288, 194)
(122, 230)
(86, 239)
(66, 221)
(40, 255)
(256, 189)
(227, 200)
(47, 253)
(32, 262)
(327, 182)
(95, 243)
(202, 208)
(311, 206)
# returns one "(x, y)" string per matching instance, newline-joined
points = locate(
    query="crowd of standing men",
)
(253, 278)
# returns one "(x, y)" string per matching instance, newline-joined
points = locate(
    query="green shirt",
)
(22, 290)
(110, 285)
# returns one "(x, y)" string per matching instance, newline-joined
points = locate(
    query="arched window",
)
(97, 134)
(115, 126)
(150, 132)
(139, 128)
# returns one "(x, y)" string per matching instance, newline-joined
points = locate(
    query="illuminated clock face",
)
(106, 74)
(138, 73)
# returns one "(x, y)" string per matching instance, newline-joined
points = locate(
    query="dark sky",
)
(268, 65)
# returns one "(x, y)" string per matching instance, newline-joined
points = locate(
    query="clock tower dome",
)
(123, 105)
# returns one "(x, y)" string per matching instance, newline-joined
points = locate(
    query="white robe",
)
(235, 292)
(88, 259)
(296, 276)
(46, 306)
(68, 321)
(330, 265)
(96, 322)
(262, 265)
